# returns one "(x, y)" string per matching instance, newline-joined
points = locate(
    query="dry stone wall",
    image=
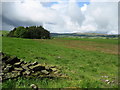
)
(12, 67)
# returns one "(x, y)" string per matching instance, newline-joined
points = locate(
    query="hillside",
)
(97, 35)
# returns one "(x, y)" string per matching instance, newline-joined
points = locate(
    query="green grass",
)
(84, 68)
(3, 32)
(98, 40)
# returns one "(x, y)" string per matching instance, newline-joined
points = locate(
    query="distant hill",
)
(3, 32)
(82, 35)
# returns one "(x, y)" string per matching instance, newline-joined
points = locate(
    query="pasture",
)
(89, 63)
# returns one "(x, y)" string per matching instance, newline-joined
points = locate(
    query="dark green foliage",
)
(31, 32)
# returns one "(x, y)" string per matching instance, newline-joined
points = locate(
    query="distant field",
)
(3, 32)
(89, 63)
(101, 45)
(98, 40)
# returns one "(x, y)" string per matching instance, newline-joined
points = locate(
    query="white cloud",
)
(84, 8)
(104, 15)
(104, 0)
(62, 17)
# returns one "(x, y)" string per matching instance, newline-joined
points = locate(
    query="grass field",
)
(89, 63)
(3, 32)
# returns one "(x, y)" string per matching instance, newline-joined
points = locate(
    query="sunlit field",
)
(88, 63)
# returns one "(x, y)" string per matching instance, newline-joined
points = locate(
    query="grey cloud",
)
(9, 16)
(61, 17)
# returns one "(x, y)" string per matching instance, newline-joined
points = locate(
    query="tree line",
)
(32, 32)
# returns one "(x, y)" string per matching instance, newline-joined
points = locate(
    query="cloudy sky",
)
(62, 16)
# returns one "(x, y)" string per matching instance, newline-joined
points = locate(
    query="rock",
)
(18, 64)
(25, 62)
(8, 68)
(47, 67)
(38, 67)
(12, 67)
(45, 72)
(26, 72)
(36, 74)
(32, 64)
(3, 66)
(12, 60)
(5, 58)
(34, 87)
(53, 69)
(56, 73)
(18, 69)
(35, 63)
(0, 79)
(1, 54)
(18, 73)
(25, 66)
(28, 64)
(1, 74)
(11, 75)
(52, 66)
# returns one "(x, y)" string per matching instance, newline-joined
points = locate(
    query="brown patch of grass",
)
(84, 45)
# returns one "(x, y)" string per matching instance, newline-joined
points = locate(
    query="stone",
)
(53, 69)
(31, 64)
(18, 69)
(26, 72)
(34, 63)
(3, 66)
(25, 66)
(0, 79)
(25, 62)
(45, 72)
(1, 54)
(38, 67)
(18, 64)
(36, 74)
(8, 68)
(55, 72)
(11, 75)
(5, 58)
(18, 73)
(47, 67)
(12, 67)
(12, 60)
(52, 66)
(28, 64)
(2, 74)
(33, 86)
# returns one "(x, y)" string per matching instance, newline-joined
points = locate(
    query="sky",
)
(62, 16)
